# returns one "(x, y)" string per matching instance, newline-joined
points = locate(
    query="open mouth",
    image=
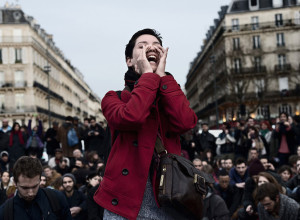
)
(152, 58)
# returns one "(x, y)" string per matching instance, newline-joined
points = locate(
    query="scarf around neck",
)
(130, 78)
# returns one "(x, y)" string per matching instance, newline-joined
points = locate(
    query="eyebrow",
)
(145, 42)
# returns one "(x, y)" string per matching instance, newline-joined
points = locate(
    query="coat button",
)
(135, 143)
(114, 202)
(125, 172)
(164, 86)
(136, 82)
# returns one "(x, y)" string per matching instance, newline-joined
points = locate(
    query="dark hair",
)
(285, 168)
(86, 119)
(14, 125)
(47, 166)
(27, 166)
(131, 43)
(223, 172)
(267, 190)
(284, 113)
(69, 118)
(240, 160)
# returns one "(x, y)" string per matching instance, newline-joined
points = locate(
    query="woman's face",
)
(285, 175)
(5, 177)
(264, 126)
(17, 127)
(262, 180)
(94, 181)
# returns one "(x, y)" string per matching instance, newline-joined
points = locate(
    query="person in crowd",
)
(31, 202)
(93, 160)
(283, 140)
(190, 143)
(197, 163)
(214, 207)
(269, 168)
(5, 126)
(35, 143)
(296, 128)
(208, 156)
(54, 161)
(92, 180)
(158, 95)
(76, 155)
(239, 173)
(62, 167)
(285, 173)
(250, 122)
(58, 184)
(76, 199)
(298, 151)
(266, 132)
(229, 193)
(4, 140)
(95, 138)
(207, 140)
(241, 148)
(293, 184)
(50, 137)
(4, 161)
(79, 130)
(95, 212)
(228, 163)
(207, 168)
(50, 174)
(4, 185)
(253, 154)
(256, 141)
(226, 141)
(80, 172)
(62, 137)
(43, 182)
(293, 163)
(274, 205)
(16, 144)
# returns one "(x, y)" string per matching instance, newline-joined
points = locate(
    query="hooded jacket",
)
(156, 104)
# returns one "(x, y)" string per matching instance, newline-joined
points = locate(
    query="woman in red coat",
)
(151, 106)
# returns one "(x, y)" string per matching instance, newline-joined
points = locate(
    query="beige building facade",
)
(33, 69)
(249, 63)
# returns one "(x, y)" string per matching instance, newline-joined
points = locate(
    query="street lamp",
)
(47, 70)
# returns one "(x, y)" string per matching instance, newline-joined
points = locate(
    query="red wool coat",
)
(155, 103)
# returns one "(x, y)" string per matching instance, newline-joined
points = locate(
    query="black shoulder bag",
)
(180, 184)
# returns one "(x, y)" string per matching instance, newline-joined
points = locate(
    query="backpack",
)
(72, 137)
(51, 196)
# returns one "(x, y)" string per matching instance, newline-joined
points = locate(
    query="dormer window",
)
(253, 5)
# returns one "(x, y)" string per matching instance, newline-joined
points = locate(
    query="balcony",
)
(13, 84)
(263, 25)
(283, 68)
(45, 89)
(18, 109)
(249, 70)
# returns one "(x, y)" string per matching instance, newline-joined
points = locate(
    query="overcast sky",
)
(93, 33)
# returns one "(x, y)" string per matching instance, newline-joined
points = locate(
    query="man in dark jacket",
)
(207, 140)
(95, 137)
(75, 199)
(31, 202)
(50, 137)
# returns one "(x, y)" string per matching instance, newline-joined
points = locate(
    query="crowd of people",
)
(74, 169)
(242, 158)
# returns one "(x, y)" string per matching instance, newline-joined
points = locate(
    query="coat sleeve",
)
(131, 115)
(176, 106)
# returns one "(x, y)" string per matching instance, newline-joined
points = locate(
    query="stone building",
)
(33, 70)
(249, 63)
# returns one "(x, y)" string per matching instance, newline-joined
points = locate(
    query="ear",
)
(129, 62)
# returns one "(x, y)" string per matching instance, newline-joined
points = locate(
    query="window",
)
(235, 24)
(19, 79)
(297, 16)
(280, 39)
(259, 87)
(2, 105)
(257, 63)
(263, 112)
(2, 79)
(253, 3)
(283, 83)
(19, 101)
(281, 60)
(236, 43)
(285, 108)
(277, 3)
(18, 55)
(254, 22)
(237, 65)
(0, 56)
(278, 20)
(256, 42)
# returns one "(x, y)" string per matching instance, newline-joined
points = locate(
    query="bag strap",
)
(9, 209)
(159, 147)
(53, 200)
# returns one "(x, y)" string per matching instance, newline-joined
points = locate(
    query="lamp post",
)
(47, 70)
